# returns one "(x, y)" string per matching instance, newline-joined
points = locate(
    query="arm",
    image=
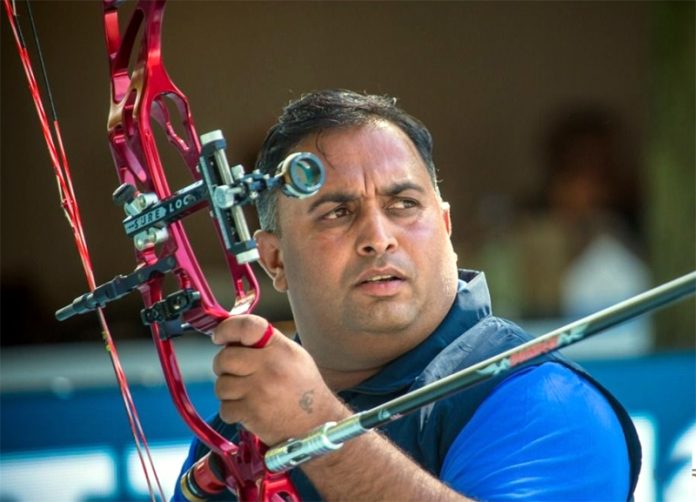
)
(277, 393)
(371, 468)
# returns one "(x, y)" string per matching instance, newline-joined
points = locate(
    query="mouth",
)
(380, 278)
(381, 282)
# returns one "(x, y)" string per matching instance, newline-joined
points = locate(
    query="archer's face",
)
(367, 262)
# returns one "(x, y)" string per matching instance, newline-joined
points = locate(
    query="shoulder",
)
(553, 392)
(488, 337)
(542, 432)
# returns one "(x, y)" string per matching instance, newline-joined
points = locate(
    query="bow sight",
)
(225, 190)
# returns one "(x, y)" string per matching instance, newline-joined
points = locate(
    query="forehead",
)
(370, 154)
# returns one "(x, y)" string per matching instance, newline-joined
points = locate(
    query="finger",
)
(237, 360)
(247, 330)
(230, 412)
(231, 388)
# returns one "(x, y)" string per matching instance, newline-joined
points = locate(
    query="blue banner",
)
(75, 445)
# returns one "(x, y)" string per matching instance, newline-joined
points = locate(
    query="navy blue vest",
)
(468, 334)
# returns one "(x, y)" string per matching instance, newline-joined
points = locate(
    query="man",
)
(380, 309)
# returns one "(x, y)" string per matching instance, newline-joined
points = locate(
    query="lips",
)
(382, 275)
(382, 278)
(381, 285)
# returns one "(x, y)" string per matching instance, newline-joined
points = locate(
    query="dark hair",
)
(332, 109)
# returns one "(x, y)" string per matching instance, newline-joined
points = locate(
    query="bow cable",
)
(59, 162)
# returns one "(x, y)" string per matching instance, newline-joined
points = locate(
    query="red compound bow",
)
(139, 96)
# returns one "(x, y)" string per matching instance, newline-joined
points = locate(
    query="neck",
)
(339, 380)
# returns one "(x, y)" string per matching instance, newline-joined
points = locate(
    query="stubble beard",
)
(380, 316)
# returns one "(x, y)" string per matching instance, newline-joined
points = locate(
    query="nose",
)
(376, 234)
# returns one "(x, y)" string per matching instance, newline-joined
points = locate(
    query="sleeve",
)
(190, 459)
(544, 433)
(196, 451)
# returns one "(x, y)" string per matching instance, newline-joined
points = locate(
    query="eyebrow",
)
(397, 188)
(339, 197)
(334, 197)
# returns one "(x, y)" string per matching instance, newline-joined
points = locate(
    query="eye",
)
(338, 212)
(401, 204)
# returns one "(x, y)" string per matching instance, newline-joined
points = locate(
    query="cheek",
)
(429, 245)
(429, 230)
(311, 263)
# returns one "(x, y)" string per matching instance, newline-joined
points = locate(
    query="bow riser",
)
(136, 100)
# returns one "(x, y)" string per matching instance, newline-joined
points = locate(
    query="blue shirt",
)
(545, 433)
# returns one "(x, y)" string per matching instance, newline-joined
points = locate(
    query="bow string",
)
(50, 128)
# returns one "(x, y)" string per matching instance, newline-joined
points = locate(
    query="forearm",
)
(372, 468)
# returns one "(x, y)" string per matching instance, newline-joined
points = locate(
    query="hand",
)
(276, 391)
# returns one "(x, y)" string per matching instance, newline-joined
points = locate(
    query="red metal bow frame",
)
(139, 98)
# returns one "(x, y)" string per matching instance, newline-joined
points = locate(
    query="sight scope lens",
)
(304, 174)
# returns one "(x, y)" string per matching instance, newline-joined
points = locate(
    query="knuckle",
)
(218, 364)
(250, 322)
(220, 388)
(231, 361)
(227, 388)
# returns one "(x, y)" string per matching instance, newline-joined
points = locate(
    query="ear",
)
(445, 208)
(271, 259)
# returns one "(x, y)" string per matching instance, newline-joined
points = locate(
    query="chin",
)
(379, 321)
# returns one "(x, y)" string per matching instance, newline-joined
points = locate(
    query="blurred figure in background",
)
(576, 247)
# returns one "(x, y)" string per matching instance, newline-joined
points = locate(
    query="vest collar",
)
(471, 304)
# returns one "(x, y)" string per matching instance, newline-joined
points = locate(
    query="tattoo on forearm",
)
(306, 401)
